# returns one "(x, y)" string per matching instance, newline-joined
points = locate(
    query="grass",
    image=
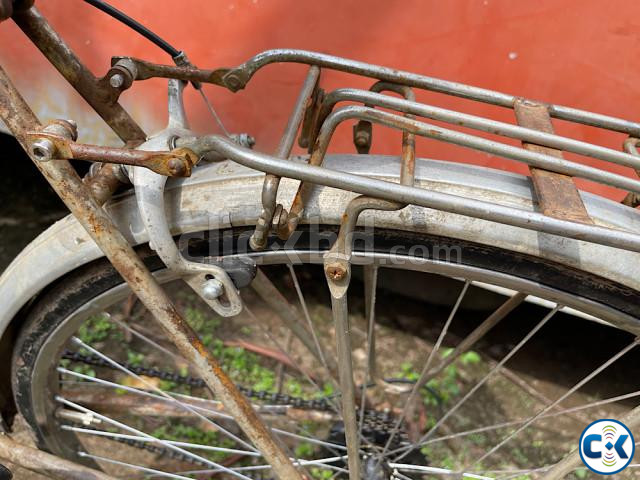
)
(98, 328)
(180, 432)
(437, 393)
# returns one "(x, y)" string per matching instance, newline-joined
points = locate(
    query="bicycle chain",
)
(377, 423)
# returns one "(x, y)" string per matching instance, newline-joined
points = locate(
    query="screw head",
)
(335, 271)
(43, 149)
(212, 289)
(117, 80)
(362, 139)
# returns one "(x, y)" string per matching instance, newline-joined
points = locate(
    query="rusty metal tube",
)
(45, 463)
(43, 36)
(271, 183)
(60, 174)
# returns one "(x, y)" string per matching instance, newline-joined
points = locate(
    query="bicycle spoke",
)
(425, 369)
(144, 393)
(268, 334)
(139, 468)
(556, 402)
(480, 331)
(405, 467)
(631, 420)
(186, 407)
(405, 450)
(270, 294)
(314, 333)
(370, 287)
(512, 423)
(147, 340)
(153, 439)
(195, 446)
(321, 463)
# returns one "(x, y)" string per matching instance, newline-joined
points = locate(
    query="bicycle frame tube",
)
(77, 197)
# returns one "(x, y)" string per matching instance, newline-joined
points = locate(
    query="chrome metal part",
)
(212, 289)
(149, 187)
(200, 145)
(430, 199)
(43, 149)
(338, 274)
(271, 182)
(453, 117)
(238, 77)
(116, 81)
(630, 146)
(532, 158)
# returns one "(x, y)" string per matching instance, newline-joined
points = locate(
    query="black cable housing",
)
(135, 25)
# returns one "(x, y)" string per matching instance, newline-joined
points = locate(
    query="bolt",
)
(116, 81)
(362, 138)
(176, 167)
(212, 289)
(232, 81)
(43, 149)
(279, 217)
(73, 128)
(336, 271)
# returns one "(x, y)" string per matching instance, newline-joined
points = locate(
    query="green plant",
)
(321, 473)
(96, 329)
(186, 433)
(84, 370)
(304, 450)
(581, 473)
(293, 387)
(134, 358)
(470, 358)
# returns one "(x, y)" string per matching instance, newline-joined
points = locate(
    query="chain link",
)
(377, 423)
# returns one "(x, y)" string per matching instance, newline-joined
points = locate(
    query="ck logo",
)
(607, 446)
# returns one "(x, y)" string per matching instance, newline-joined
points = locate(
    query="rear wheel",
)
(439, 327)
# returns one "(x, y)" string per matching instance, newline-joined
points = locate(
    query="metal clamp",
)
(211, 282)
(49, 144)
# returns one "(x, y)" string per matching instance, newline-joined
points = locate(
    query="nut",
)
(176, 167)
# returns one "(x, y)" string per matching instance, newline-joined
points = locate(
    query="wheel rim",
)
(44, 407)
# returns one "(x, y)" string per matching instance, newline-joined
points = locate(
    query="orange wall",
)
(582, 53)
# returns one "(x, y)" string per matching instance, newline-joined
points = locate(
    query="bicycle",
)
(231, 237)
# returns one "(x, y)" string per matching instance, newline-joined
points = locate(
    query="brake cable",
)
(178, 56)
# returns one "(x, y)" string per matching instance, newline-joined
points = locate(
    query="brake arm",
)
(210, 281)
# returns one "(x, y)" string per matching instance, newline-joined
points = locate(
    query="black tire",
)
(86, 283)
